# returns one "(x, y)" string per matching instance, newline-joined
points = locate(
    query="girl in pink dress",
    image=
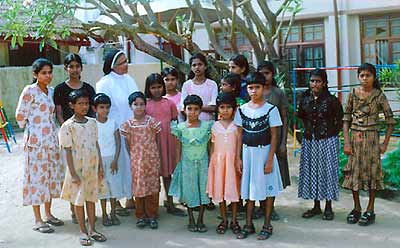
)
(170, 78)
(199, 84)
(164, 111)
(225, 163)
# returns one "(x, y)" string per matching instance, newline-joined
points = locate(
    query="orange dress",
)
(223, 177)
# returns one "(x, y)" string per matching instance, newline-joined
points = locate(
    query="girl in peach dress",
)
(225, 164)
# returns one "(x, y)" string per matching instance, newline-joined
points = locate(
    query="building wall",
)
(14, 79)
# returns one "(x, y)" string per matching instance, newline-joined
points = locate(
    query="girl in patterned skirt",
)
(44, 172)
(78, 139)
(141, 133)
(190, 175)
(322, 116)
(261, 179)
(364, 170)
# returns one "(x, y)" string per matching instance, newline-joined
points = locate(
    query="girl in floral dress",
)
(225, 163)
(190, 176)
(83, 180)
(141, 133)
(44, 172)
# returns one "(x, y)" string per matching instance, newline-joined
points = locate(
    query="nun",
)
(118, 85)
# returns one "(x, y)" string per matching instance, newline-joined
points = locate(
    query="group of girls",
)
(138, 137)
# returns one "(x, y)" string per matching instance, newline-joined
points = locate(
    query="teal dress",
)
(189, 179)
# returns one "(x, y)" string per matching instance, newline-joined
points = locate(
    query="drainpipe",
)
(339, 72)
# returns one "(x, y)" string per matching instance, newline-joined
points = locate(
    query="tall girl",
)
(170, 77)
(78, 139)
(199, 84)
(225, 163)
(141, 133)
(275, 96)
(239, 65)
(44, 172)
(322, 116)
(190, 176)
(164, 111)
(364, 170)
(261, 179)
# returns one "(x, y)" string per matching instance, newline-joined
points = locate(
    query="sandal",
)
(367, 218)
(246, 231)
(98, 237)
(328, 215)
(221, 228)
(235, 227)
(106, 221)
(114, 220)
(141, 223)
(153, 223)
(54, 221)
(43, 228)
(202, 228)
(275, 216)
(85, 240)
(353, 217)
(311, 213)
(192, 228)
(265, 233)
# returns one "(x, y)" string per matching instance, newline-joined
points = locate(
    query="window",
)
(305, 47)
(380, 39)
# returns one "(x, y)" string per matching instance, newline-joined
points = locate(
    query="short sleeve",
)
(348, 110)
(175, 130)
(214, 93)
(24, 106)
(65, 135)
(274, 118)
(387, 111)
(238, 119)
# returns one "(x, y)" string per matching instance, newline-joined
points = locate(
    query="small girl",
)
(200, 84)
(230, 83)
(190, 176)
(164, 111)
(140, 133)
(44, 171)
(239, 65)
(170, 77)
(225, 163)
(364, 170)
(261, 179)
(78, 139)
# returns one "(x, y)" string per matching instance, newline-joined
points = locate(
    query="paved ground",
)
(291, 231)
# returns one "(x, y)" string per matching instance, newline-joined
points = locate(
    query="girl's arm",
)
(71, 168)
(272, 149)
(347, 145)
(101, 171)
(114, 164)
(239, 151)
(59, 114)
(389, 131)
(283, 114)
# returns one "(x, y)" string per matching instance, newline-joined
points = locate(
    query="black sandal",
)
(328, 215)
(353, 217)
(221, 228)
(367, 218)
(141, 223)
(246, 231)
(202, 228)
(192, 227)
(153, 223)
(235, 227)
(265, 233)
(311, 213)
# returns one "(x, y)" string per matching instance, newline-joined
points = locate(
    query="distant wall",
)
(14, 79)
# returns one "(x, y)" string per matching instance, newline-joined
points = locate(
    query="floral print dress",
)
(81, 138)
(145, 157)
(44, 172)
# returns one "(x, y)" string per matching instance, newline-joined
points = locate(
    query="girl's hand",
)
(75, 179)
(114, 167)
(268, 167)
(100, 173)
(347, 149)
(383, 148)
(239, 166)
